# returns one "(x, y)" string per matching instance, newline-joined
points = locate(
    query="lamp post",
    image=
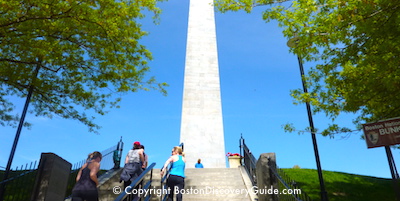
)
(324, 196)
(20, 125)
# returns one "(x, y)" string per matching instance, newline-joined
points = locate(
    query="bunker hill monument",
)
(202, 129)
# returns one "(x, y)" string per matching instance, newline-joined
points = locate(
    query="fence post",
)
(117, 155)
(120, 146)
(52, 178)
(267, 182)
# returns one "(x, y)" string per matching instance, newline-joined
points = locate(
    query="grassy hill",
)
(343, 186)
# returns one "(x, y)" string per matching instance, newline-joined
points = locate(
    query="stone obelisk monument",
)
(202, 129)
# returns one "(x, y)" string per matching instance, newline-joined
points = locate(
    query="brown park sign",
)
(382, 133)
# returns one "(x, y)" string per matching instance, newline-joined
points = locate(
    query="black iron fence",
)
(249, 161)
(20, 184)
(21, 181)
(288, 187)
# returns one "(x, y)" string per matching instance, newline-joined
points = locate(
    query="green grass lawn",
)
(343, 186)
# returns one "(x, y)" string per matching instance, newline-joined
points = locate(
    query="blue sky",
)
(257, 73)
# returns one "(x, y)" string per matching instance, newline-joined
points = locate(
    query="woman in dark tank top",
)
(86, 180)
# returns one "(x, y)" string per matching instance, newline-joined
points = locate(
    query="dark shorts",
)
(87, 195)
(173, 182)
(131, 171)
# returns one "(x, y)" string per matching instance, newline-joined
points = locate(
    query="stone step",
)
(215, 184)
(220, 170)
(217, 188)
(216, 191)
(218, 197)
(215, 199)
(210, 178)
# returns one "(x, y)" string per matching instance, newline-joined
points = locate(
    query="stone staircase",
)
(208, 184)
(217, 184)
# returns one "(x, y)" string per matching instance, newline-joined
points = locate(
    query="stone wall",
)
(52, 178)
(266, 180)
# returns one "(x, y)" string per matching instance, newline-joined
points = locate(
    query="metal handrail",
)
(249, 161)
(181, 145)
(163, 182)
(135, 184)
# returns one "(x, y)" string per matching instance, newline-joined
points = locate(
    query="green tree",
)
(356, 45)
(87, 53)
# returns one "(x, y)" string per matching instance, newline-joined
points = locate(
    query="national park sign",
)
(382, 133)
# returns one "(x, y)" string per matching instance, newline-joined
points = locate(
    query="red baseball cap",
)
(136, 143)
